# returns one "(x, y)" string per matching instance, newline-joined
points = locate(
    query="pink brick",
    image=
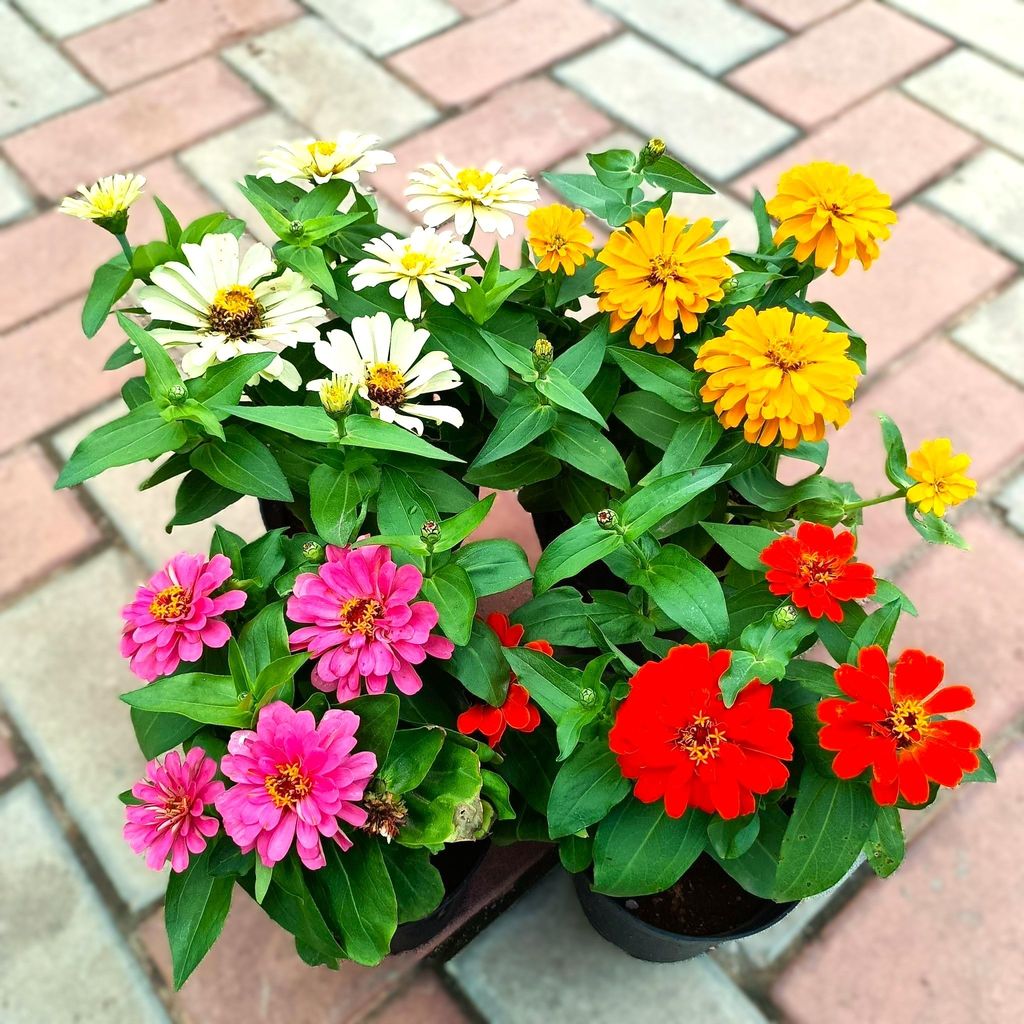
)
(796, 14)
(121, 52)
(51, 258)
(838, 62)
(132, 127)
(424, 1001)
(532, 124)
(938, 392)
(44, 528)
(474, 8)
(940, 941)
(477, 57)
(970, 605)
(8, 760)
(929, 270)
(66, 368)
(890, 138)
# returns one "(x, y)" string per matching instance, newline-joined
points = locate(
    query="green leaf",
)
(529, 466)
(655, 501)
(378, 720)
(402, 505)
(334, 495)
(640, 850)
(418, 885)
(766, 650)
(211, 224)
(311, 263)
(578, 443)
(161, 373)
(141, 434)
(264, 638)
(815, 676)
(452, 784)
(493, 566)
(264, 558)
(459, 527)
(616, 168)
(649, 417)
(934, 529)
(554, 687)
(732, 838)
(243, 464)
(755, 870)
(222, 385)
(157, 733)
(273, 681)
(877, 628)
(451, 591)
(195, 908)
(694, 439)
(581, 362)
(523, 420)
(469, 348)
(561, 617)
(588, 785)
(985, 772)
(765, 235)
(743, 544)
(276, 221)
(198, 498)
(557, 388)
(687, 591)
(895, 453)
(885, 845)
(672, 176)
(111, 280)
(569, 554)
(412, 754)
(366, 432)
(825, 835)
(584, 190)
(200, 696)
(309, 422)
(529, 767)
(172, 228)
(478, 664)
(263, 877)
(660, 375)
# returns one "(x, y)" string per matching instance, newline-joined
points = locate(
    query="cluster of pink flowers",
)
(364, 624)
(174, 617)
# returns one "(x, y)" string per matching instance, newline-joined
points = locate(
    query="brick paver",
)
(923, 95)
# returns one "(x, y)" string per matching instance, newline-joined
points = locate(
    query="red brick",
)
(969, 604)
(938, 392)
(424, 1001)
(43, 528)
(942, 940)
(838, 62)
(132, 127)
(51, 258)
(929, 270)
(477, 57)
(67, 368)
(796, 14)
(532, 124)
(889, 137)
(121, 52)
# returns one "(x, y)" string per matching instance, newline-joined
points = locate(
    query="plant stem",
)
(851, 505)
(125, 247)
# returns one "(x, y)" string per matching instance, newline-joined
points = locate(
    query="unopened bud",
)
(336, 395)
(654, 149)
(607, 519)
(177, 393)
(430, 533)
(588, 696)
(297, 228)
(729, 285)
(543, 355)
(784, 617)
(313, 551)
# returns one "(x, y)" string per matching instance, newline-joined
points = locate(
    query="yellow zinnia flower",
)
(558, 238)
(107, 201)
(834, 214)
(785, 375)
(661, 269)
(940, 475)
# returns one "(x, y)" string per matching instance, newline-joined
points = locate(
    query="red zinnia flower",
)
(893, 729)
(675, 736)
(816, 571)
(516, 712)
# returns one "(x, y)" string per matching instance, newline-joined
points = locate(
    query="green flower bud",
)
(784, 617)
(607, 519)
(177, 393)
(543, 355)
(729, 285)
(430, 533)
(297, 228)
(654, 149)
(588, 696)
(336, 394)
(313, 551)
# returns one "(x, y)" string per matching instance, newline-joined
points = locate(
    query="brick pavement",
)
(925, 95)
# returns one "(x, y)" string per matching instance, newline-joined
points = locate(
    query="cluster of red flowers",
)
(516, 712)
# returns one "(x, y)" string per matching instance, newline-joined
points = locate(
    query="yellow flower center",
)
(815, 569)
(907, 724)
(701, 739)
(786, 354)
(171, 603)
(472, 178)
(322, 147)
(359, 615)
(235, 311)
(385, 385)
(288, 786)
(416, 263)
(663, 268)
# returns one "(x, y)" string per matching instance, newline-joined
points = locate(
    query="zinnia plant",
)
(346, 707)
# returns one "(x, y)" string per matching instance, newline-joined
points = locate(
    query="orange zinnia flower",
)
(558, 238)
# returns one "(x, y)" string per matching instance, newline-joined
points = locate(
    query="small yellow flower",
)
(940, 475)
(833, 214)
(780, 375)
(558, 238)
(107, 201)
(665, 270)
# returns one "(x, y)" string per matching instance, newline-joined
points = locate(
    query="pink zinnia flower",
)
(169, 823)
(363, 625)
(173, 616)
(295, 780)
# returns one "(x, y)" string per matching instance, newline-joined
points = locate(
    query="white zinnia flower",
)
(442, 191)
(105, 200)
(224, 306)
(309, 162)
(384, 359)
(426, 258)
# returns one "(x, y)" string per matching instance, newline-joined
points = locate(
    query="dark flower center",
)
(701, 739)
(359, 615)
(815, 568)
(906, 723)
(385, 385)
(235, 312)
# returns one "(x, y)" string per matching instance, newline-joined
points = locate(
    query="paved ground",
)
(925, 95)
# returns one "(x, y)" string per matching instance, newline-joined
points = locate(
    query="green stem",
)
(125, 247)
(851, 505)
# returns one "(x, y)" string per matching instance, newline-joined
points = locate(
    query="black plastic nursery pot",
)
(617, 919)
